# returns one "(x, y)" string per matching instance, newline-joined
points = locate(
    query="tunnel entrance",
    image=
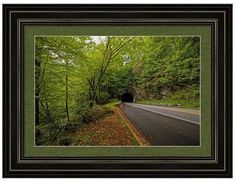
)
(127, 97)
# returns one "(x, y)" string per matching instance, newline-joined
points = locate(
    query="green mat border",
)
(158, 30)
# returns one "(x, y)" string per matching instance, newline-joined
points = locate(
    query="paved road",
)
(165, 125)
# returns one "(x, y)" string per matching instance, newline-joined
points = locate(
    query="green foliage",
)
(186, 98)
(71, 127)
(112, 103)
(171, 65)
(102, 97)
(66, 141)
(48, 134)
(55, 133)
(95, 113)
(194, 104)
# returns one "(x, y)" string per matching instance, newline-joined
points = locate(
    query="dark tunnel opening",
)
(127, 97)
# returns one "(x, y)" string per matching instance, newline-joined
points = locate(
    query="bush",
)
(81, 109)
(71, 127)
(47, 134)
(66, 141)
(189, 94)
(103, 98)
(53, 133)
(95, 113)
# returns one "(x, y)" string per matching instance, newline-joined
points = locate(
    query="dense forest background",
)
(74, 74)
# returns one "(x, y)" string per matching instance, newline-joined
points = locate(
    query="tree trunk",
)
(37, 91)
(67, 107)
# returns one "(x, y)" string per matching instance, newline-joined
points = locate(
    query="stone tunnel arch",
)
(127, 97)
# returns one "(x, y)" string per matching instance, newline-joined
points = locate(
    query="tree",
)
(57, 57)
(110, 50)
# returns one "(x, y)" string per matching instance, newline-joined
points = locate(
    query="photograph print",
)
(117, 90)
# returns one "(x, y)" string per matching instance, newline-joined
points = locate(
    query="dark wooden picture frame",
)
(16, 16)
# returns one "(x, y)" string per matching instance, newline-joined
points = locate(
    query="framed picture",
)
(117, 90)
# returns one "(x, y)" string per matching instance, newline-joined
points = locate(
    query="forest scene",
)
(117, 90)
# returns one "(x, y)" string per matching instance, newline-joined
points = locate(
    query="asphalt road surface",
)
(165, 126)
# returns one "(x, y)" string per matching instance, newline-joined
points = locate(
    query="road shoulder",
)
(142, 141)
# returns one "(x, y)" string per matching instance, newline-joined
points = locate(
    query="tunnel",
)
(127, 97)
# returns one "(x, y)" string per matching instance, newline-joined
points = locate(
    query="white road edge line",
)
(167, 108)
(165, 114)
